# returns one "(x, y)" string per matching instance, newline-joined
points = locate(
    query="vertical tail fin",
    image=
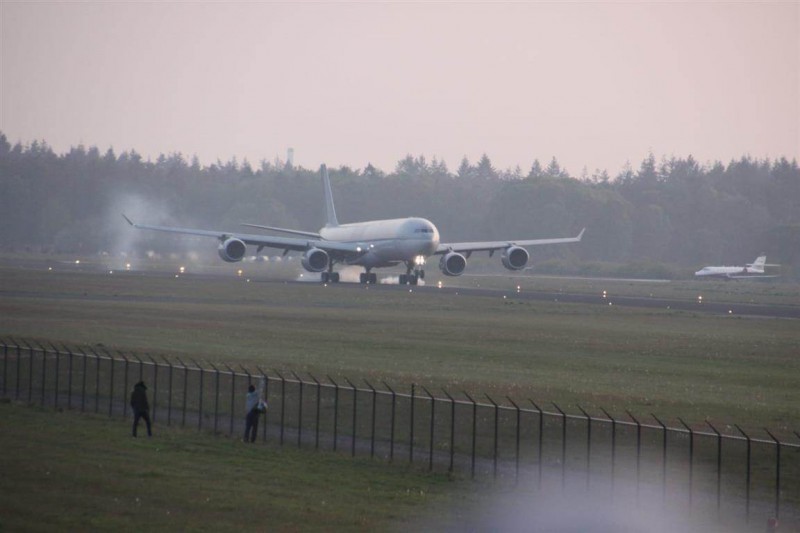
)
(758, 264)
(330, 211)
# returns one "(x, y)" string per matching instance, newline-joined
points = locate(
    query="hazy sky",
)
(593, 84)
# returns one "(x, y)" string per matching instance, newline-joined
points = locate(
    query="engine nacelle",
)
(315, 260)
(452, 264)
(515, 258)
(231, 250)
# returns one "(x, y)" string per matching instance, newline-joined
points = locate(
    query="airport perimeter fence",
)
(726, 474)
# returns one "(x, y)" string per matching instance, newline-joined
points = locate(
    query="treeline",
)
(671, 212)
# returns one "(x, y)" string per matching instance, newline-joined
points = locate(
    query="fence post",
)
(663, 460)
(747, 486)
(541, 439)
(30, 372)
(411, 436)
(265, 378)
(155, 385)
(335, 412)
(58, 371)
(691, 459)
(19, 357)
(299, 412)
(474, 430)
(433, 422)
(200, 394)
(639, 456)
(283, 402)
(452, 428)
(588, 447)
(316, 423)
(141, 366)
(494, 449)
(216, 395)
(44, 372)
(391, 423)
(516, 450)
(83, 382)
(563, 446)
(96, 381)
(124, 385)
(355, 418)
(110, 384)
(5, 368)
(613, 449)
(372, 432)
(777, 474)
(233, 398)
(169, 390)
(719, 467)
(185, 389)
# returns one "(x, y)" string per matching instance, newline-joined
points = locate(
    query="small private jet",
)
(752, 270)
(372, 244)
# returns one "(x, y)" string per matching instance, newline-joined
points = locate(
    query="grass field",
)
(72, 472)
(693, 365)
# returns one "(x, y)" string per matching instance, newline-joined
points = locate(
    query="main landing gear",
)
(368, 277)
(412, 276)
(330, 277)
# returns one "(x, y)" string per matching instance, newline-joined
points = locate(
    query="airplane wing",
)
(490, 246)
(284, 243)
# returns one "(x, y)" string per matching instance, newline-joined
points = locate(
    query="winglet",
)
(580, 235)
(128, 220)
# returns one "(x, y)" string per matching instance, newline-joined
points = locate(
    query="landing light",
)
(605, 294)
(127, 266)
(182, 270)
(699, 299)
(439, 284)
(419, 260)
(239, 272)
(77, 261)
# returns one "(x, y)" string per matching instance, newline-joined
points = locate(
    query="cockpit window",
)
(423, 230)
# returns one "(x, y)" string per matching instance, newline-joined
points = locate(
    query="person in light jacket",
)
(253, 408)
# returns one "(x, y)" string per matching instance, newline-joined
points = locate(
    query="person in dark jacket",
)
(140, 407)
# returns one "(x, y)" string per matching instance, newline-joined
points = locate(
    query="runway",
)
(721, 308)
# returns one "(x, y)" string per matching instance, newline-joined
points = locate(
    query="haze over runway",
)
(595, 85)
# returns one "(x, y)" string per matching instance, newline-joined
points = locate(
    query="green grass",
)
(66, 471)
(693, 365)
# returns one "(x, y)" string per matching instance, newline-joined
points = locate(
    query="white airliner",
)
(749, 271)
(373, 244)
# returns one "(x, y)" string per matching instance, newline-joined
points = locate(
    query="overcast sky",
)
(347, 83)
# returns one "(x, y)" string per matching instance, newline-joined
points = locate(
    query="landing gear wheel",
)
(334, 277)
(325, 277)
(373, 278)
(363, 278)
(403, 279)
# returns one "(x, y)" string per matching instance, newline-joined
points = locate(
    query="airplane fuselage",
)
(388, 242)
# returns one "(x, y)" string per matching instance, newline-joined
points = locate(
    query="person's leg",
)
(136, 416)
(255, 426)
(248, 426)
(146, 418)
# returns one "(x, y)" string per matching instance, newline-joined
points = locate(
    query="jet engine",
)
(515, 258)
(231, 250)
(452, 264)
(315, 260)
